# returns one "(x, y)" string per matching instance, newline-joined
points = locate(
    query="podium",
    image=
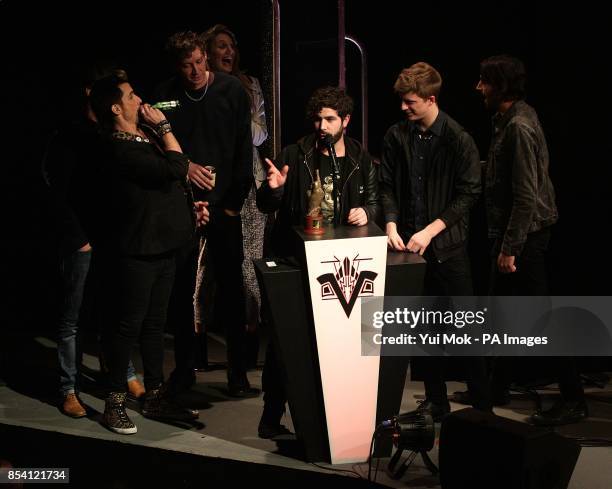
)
(336, 395)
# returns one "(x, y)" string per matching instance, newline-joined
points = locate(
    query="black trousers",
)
(224, 234)
(180, 314)
(224, 241)
(273, 386)
(530, 279)
(137, 290)
(453, 277)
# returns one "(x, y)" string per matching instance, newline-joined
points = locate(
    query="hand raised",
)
(275, 177)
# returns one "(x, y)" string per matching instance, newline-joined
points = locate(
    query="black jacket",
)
(147, 206)
(71, 153)
(453, 182)
(519, 194)
(359, 189)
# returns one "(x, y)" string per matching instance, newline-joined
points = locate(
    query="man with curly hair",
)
(285, 191)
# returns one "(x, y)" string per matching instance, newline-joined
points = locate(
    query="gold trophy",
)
(314, 216)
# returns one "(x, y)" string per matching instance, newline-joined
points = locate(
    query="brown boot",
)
(135, 388)
(72, 406)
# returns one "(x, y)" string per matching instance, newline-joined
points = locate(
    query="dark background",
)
(45, 45)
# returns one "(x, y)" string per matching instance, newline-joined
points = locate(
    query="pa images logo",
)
(347, 283)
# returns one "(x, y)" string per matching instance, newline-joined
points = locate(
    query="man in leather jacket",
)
(521, 209)
(330, 111)
(285, 191)
(429, 181)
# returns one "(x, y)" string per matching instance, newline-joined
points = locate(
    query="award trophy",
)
(314, 216)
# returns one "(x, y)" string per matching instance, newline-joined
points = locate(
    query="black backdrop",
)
(44, 45)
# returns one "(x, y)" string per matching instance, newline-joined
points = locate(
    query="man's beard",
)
(335, 137)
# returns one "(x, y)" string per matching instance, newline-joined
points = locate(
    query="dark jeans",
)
(531, 276)
(138, 291)
(74, 269)
(453, 277)
(530, 279)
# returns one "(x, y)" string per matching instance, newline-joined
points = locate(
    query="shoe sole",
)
(123, 431)
(74, 416)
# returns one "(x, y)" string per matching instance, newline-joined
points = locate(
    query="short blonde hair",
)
(420, 78)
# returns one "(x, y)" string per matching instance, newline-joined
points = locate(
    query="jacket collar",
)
(500, 121)
(307, 146)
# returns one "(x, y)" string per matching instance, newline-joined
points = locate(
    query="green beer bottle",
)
(167, 105)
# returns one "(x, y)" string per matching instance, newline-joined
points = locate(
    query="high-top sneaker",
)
(159, 405)
(115, 417)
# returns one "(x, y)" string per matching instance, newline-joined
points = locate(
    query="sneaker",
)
(562, 412)
(72, 406)
(135, 388)
(437, 411)
(158, 405)
(115, 416)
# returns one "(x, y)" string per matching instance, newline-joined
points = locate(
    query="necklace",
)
(197, 99)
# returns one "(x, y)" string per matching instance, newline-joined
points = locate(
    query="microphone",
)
(328, 141)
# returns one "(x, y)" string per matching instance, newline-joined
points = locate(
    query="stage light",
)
(413, 432)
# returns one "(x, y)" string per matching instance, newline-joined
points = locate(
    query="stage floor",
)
(224, 439)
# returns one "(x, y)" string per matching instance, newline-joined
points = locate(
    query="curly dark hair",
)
(181, 44)
(507, 76)
(331, 97)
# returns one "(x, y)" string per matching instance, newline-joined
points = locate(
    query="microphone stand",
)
(336, 193)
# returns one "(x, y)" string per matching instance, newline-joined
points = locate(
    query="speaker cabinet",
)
(481, 450)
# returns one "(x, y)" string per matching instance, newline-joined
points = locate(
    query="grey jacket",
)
(519, 194)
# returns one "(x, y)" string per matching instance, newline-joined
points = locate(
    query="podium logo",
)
(347, 283)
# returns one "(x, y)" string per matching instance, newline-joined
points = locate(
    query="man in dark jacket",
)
(148, 217)
(72, 154)
(429, 180)
(520, 204)
(286, 189)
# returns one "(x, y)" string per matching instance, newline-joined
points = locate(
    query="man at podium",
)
(340, 162)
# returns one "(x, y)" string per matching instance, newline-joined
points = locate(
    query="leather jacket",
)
(359, 188)
(453, 183)
(519, 195)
